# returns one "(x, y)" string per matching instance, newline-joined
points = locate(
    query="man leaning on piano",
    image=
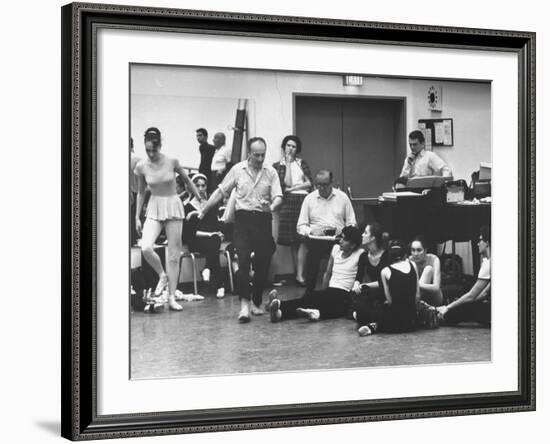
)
(421, 162)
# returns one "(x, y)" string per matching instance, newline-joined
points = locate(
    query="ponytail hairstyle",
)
(381, 237)
(152, 135)
(397, 251)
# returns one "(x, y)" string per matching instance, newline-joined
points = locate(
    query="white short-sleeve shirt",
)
(485, 269)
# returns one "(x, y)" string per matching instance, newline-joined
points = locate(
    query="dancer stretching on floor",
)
(333, 300)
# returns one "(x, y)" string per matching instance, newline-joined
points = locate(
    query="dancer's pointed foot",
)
(163, 282)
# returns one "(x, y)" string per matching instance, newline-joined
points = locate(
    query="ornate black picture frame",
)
(80, 419)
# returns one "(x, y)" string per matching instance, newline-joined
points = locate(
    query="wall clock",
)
(435, 102)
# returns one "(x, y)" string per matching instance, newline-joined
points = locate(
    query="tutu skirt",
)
(165, 208)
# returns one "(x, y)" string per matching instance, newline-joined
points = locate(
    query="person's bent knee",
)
(147, 249)
(173, 257)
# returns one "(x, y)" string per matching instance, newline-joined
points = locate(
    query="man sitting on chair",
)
(324, 213)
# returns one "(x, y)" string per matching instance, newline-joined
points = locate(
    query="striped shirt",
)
(250, 189)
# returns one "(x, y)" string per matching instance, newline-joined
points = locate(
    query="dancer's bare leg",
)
(151, 230)
(173, 234)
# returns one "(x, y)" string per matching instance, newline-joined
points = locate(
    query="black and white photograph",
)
(277, 222)
(288, 221)
(274, 221)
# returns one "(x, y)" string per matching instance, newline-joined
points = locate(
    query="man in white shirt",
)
(257, 195)
(221, 161)
(421, 162)
(325, 212)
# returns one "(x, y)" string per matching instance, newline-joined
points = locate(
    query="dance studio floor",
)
(206, 339)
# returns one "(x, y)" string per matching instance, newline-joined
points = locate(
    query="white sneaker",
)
(244, 314)
(256, 311)
(311, 314)
(206, 275)
(367, 330)
(220, 293)
(275, 312)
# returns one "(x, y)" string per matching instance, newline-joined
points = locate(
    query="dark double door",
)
(361, 140)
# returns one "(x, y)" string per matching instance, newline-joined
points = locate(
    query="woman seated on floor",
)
(401, 291)
(475, 305)
(375, 244)
(429, 272)
(334, 299)
(205, 236)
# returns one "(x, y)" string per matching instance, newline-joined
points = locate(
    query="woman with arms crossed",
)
(296, 183)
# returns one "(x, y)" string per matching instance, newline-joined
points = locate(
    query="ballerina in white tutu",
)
(165, 209)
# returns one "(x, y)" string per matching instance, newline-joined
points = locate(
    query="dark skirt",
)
(290, 211)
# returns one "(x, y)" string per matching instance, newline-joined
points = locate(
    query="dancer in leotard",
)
(164, 209)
